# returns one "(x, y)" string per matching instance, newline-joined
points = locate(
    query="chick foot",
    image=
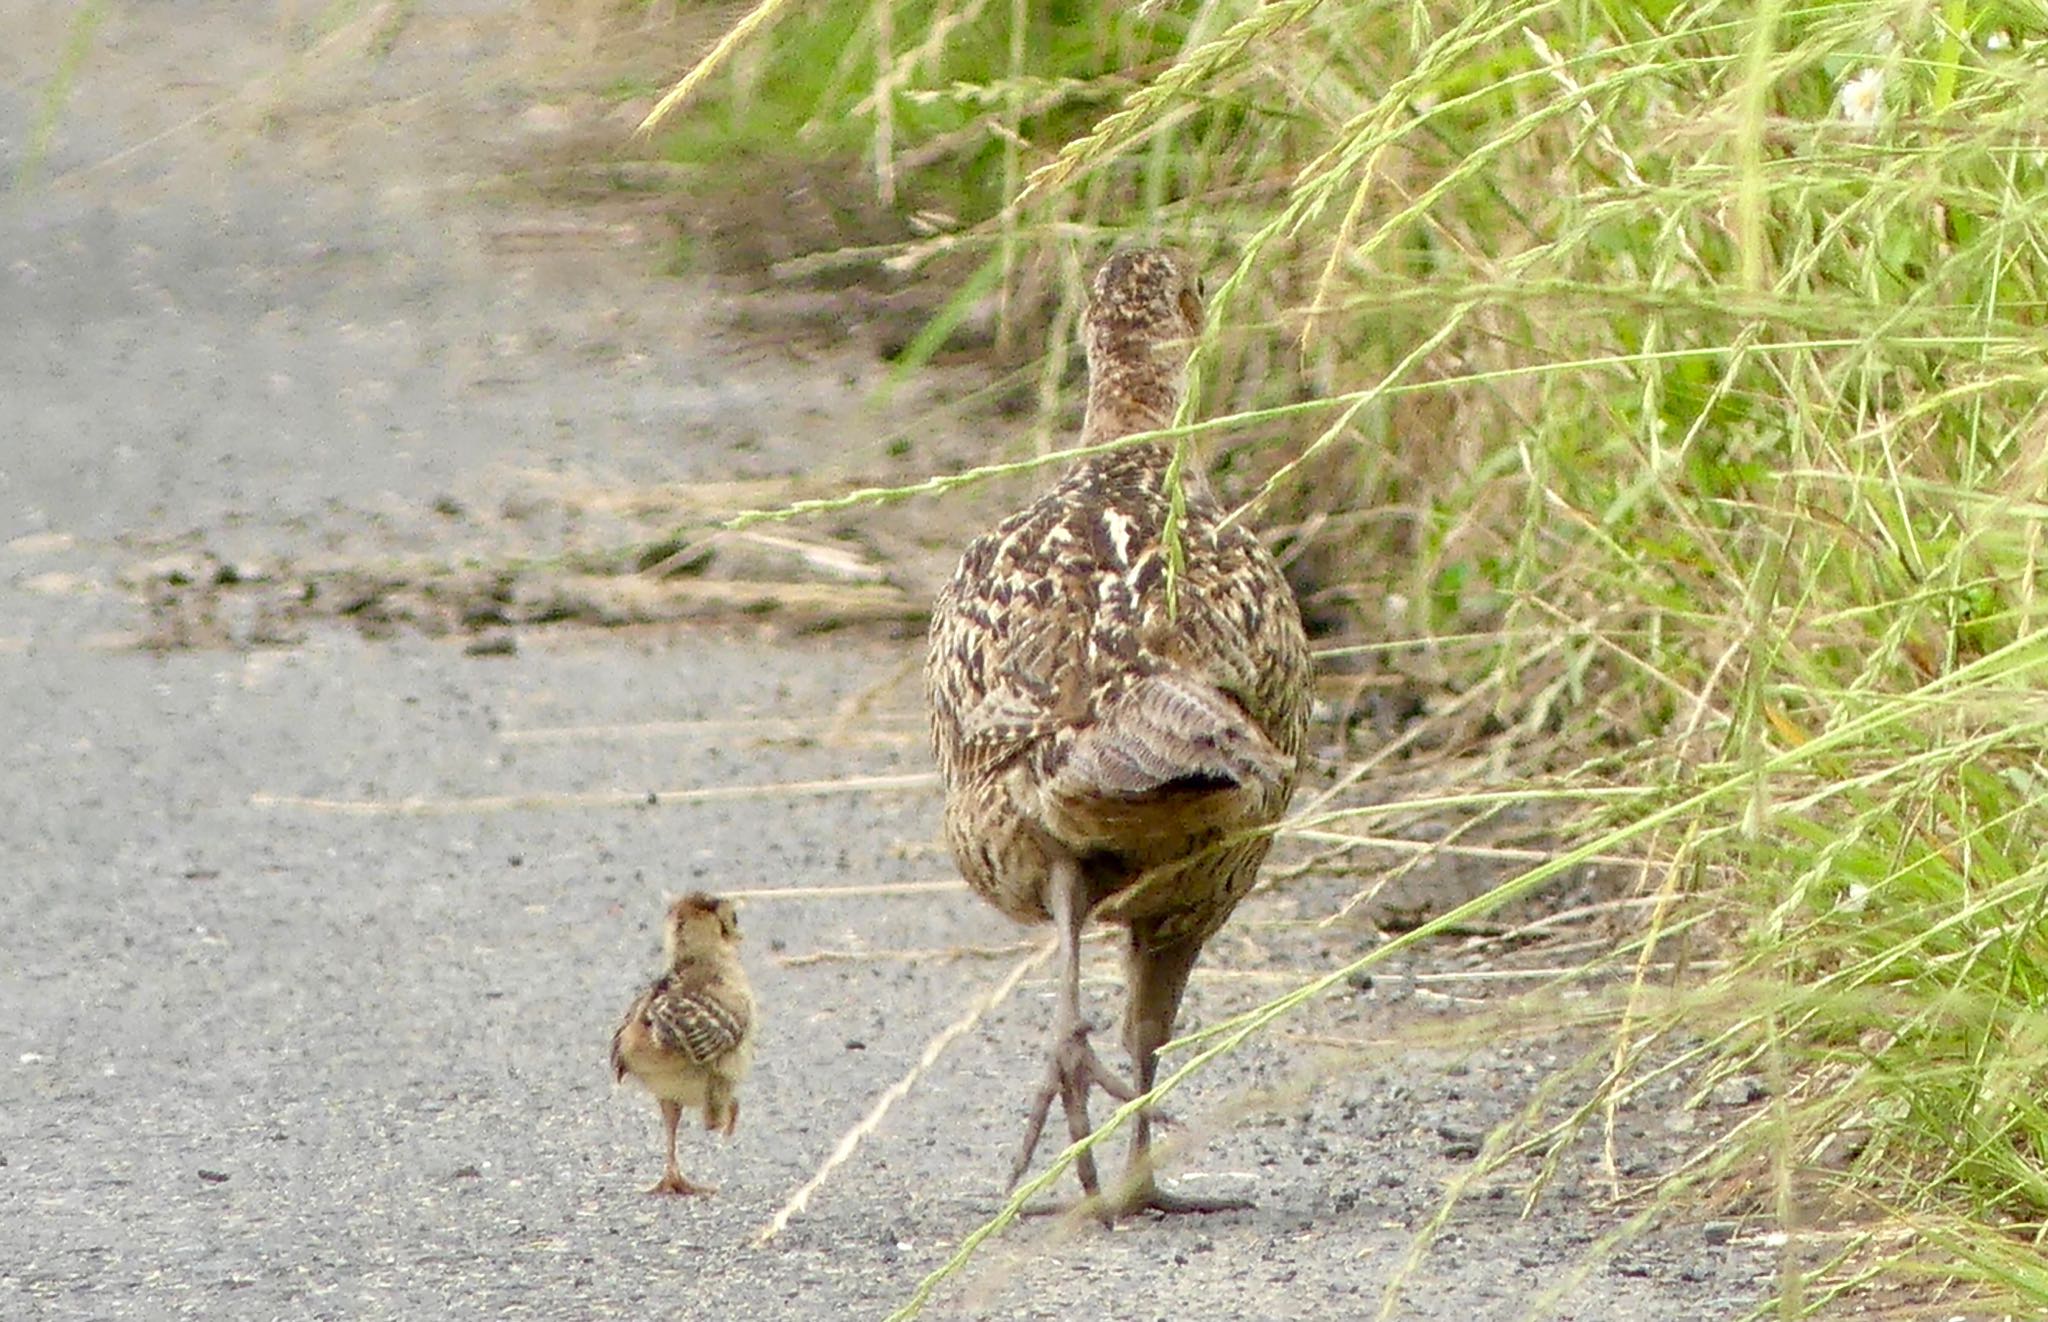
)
(673, 1183)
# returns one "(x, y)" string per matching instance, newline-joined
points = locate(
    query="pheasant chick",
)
(688, 1038)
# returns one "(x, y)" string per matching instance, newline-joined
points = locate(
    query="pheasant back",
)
(1073, 709)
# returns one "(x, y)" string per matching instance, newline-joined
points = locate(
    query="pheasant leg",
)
(672, 1181)
(1073, 1068)
(1158, 976)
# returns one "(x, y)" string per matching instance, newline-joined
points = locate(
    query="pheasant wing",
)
(1007, 665)
(696, 1021)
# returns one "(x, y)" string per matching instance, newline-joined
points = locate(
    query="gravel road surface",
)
(310, 953)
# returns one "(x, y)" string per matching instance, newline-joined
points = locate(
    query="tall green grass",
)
(1683, 362)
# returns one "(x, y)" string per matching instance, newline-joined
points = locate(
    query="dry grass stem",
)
(756, 19)
(1555, 973)
(491, 803)
(834, 601)
(850, 1141)
(932, 954)
(904, 889)
(664, 499)
(858, 707)
(378, 24)
(737, 728)
(1394, 844)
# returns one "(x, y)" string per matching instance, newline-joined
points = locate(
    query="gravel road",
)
(309, 954)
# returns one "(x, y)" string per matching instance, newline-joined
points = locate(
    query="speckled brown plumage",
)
(689, 1038)
(1097, 748)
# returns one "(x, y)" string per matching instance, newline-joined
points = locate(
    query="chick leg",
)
(721, 1108)
(672, 1181)
(1073, 1067)
(1157, 975)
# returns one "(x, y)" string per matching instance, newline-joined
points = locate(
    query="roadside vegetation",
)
(1667, 380)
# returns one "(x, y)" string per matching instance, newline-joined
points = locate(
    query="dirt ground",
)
(354, 751)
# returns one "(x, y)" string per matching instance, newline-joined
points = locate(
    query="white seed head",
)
(1862, 98)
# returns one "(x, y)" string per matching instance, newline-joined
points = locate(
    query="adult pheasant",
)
(1108, 751)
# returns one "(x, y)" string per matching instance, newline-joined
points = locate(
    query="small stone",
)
(57, 584)
(178, 570)
(1740, 1091)
(546, 118)
(213, 1177)
(40, 543)
(351, 592)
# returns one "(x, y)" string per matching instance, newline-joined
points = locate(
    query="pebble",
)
(1740, 1091)
(547, 119)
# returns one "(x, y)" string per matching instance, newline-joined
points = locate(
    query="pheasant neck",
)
(1130, 393)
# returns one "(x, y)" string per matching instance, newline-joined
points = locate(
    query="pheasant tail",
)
(1171, 752)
